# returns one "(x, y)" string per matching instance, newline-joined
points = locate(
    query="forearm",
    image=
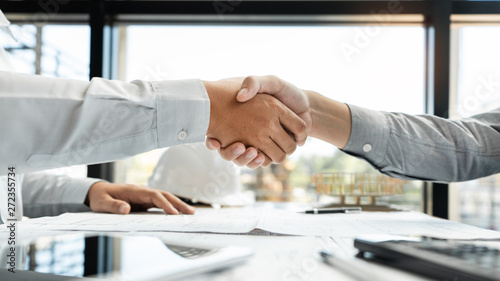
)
(331, 120)
(51, 122)
(46, 188)
(426, 147)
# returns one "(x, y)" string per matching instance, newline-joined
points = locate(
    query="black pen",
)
(341, 210)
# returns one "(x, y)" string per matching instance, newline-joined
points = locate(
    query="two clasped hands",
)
(261, 119)
(253, 121)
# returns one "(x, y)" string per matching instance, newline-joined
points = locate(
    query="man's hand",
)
(288, 94)
(291, 96)
(108, 197)
(258, 123)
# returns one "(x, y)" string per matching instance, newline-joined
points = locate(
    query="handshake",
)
(261, 119)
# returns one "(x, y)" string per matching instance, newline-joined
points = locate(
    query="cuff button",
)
(367, 147)
(182, 135)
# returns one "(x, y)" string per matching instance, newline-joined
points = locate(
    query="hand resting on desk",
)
(108, 197)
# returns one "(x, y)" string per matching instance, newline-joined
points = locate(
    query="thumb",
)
(249, 88)
(111, 205)
(212, 144)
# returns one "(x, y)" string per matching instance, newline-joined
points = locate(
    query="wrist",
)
(331, 120)
(216, 106)
(92, 189)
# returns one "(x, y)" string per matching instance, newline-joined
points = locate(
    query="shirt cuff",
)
(369, 135)
(76, 190)
(183, 111)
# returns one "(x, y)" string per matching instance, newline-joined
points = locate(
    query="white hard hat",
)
(195, 172)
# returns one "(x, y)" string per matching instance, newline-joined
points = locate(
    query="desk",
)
(277, 257)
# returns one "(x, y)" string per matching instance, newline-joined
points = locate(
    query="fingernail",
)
(251, 155)
(122, 209)
(242, 92)
(210, 145)
(238, 150)
(259, 160)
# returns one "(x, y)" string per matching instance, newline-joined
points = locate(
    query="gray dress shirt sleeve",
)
(427, 147)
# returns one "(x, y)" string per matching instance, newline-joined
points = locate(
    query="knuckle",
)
(154, 193)
(239, 162)
(277, 82)
(262, 138)
(302, 127)
(291, 148)
(268, 125)
(281, 157)
(252, 165)
(251, 78)
(225, 155)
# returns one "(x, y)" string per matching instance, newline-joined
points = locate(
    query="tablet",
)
(121, 258)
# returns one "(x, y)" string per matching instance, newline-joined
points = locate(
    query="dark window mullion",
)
(438, 87)
(97, 66)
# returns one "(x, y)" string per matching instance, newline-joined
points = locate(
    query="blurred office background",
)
(375, 54)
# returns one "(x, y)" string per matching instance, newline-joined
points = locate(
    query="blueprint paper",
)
(244, 220)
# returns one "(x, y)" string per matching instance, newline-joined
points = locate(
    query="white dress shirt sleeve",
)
(46, 188)
(52, 122)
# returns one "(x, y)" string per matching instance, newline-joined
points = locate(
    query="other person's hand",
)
(291, 96)
(263, 122)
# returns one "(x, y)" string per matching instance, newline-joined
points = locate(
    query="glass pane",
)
(478, 90)
(66, 58)
(380, 68)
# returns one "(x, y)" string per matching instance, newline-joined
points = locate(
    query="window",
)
(477, 90)
(383, 72)
(433, 16)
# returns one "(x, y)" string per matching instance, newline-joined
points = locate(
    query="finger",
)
(267, 162)
(178, 203)
(247, 157)
(110, 205)
(294, 124)
(232, 151)
(212, 144)
(252, 85)
(257, 162)
(272, 150)
(157, 198)
(284, 141)
(249, 88)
